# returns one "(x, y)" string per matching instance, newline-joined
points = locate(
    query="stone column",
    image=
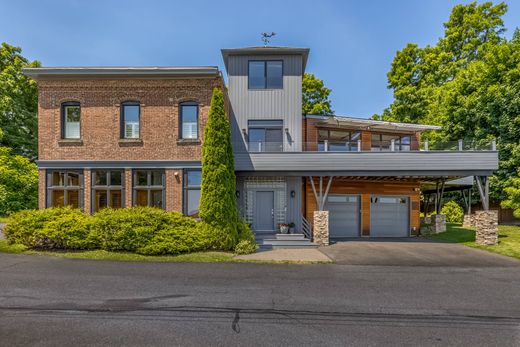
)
(321, 228)
(468, 221)
(486, 223)
(427, 226)
(439, 221)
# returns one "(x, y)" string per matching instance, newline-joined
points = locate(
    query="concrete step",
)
(288, 237)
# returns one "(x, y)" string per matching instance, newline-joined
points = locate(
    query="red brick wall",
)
(174, 190)
(41, 189)
(100, 118)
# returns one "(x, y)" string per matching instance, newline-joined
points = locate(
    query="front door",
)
(264, 212)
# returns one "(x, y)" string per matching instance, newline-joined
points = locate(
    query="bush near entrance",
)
(142, 230)
(454, 213)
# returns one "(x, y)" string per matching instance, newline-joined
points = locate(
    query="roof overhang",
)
(370, 124)
(122, 71)
(269, 50)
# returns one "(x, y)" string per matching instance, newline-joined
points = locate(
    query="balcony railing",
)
(357, 146)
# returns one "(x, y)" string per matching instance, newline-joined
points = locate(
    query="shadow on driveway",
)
(412, 252)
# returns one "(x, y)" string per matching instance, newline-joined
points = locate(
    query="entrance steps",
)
(276, 241)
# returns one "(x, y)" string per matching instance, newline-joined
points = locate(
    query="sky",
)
(352, 43)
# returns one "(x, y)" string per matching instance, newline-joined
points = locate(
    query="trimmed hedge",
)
(143, 230)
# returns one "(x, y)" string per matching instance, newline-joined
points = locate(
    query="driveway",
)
(412, 252)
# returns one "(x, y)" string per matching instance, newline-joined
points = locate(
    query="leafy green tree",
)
(18, 182)
(315, 96)
(18, 103)
(218, 202)
(469, 83)
(513, 195)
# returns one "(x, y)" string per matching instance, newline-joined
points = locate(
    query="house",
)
(132, 136)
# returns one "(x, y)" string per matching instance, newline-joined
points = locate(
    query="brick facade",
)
(100, 101)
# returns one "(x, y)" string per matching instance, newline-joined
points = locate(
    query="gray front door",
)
(389, 216)
(344, 215)
(264, 211)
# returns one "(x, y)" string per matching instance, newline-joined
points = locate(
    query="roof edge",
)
(121, 71)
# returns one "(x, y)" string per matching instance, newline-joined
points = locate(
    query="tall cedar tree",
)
(218, 205)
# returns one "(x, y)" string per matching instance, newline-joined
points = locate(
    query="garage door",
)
(343, 215)
(389, 216)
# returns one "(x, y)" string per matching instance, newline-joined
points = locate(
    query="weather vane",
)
(267, 37)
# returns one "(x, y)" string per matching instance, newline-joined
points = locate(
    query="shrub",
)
(454, 213)
(245, 247)
(59, 228)
(129, 229)
(18, 182)
(179, 239)
(246, 239)
(218, 202)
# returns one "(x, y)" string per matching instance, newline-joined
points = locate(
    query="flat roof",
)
(372, 124)
(121, 71)
(266, 50)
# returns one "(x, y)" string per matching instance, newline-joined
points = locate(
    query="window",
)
(130, 119)
(149, 188)
(107, 189)
(70, 120)
(64, 188)
(192, 179)
(338, 141)
(382, 142)
(265, 135)
(189, 115)
(265, 74)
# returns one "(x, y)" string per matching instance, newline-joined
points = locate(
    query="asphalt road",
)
(53, 301)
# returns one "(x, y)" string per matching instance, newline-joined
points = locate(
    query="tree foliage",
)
(315, 96)
(218, 202)
(18, 182)
(18, 103)
(513, 195)
(469, 83)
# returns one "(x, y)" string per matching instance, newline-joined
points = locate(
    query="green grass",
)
(508, 239)
(197, 257)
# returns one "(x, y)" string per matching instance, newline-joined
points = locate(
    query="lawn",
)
(508, 239)
(196, 257)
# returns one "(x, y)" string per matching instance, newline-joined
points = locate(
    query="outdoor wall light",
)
(287, 130)
(237, 193)
(293, 193)
(244, 132)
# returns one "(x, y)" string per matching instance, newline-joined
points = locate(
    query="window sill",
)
(130, 142)
(70, 142)
(187, 142)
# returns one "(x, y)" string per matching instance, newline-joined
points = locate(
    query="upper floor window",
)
(265, 74)
(338, 141)
(70, 120)
(383, 142)
(265, 135)
(130, 120)
(189, 116)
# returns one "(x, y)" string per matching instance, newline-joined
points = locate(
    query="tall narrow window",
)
(149, 188)
(189, 116)
(265, 74)
(265, 136)
(107, 189)
(192, 180)
(130, 120)
(64, 188)
(70, 120)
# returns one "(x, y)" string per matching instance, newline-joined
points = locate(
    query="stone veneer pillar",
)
(468, 221)
(486, 223)
(321, 228)
(439, 223)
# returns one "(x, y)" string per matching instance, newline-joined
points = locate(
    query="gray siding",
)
(370, 163)
(281, 104)
(294, 205)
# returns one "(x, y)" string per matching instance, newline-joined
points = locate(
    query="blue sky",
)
(352, 42)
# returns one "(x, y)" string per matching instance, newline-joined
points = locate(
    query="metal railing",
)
(306, 228)
(358, 146)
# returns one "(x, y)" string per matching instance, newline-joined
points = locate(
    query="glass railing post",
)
(426, 145)
(460, 145)
(326, 145)
(359, 145)
(392, 145)
(494, 145)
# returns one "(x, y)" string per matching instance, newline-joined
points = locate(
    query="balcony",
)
(453, 159)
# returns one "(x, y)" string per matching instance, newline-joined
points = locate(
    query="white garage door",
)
(389, 216)
(344, 219)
